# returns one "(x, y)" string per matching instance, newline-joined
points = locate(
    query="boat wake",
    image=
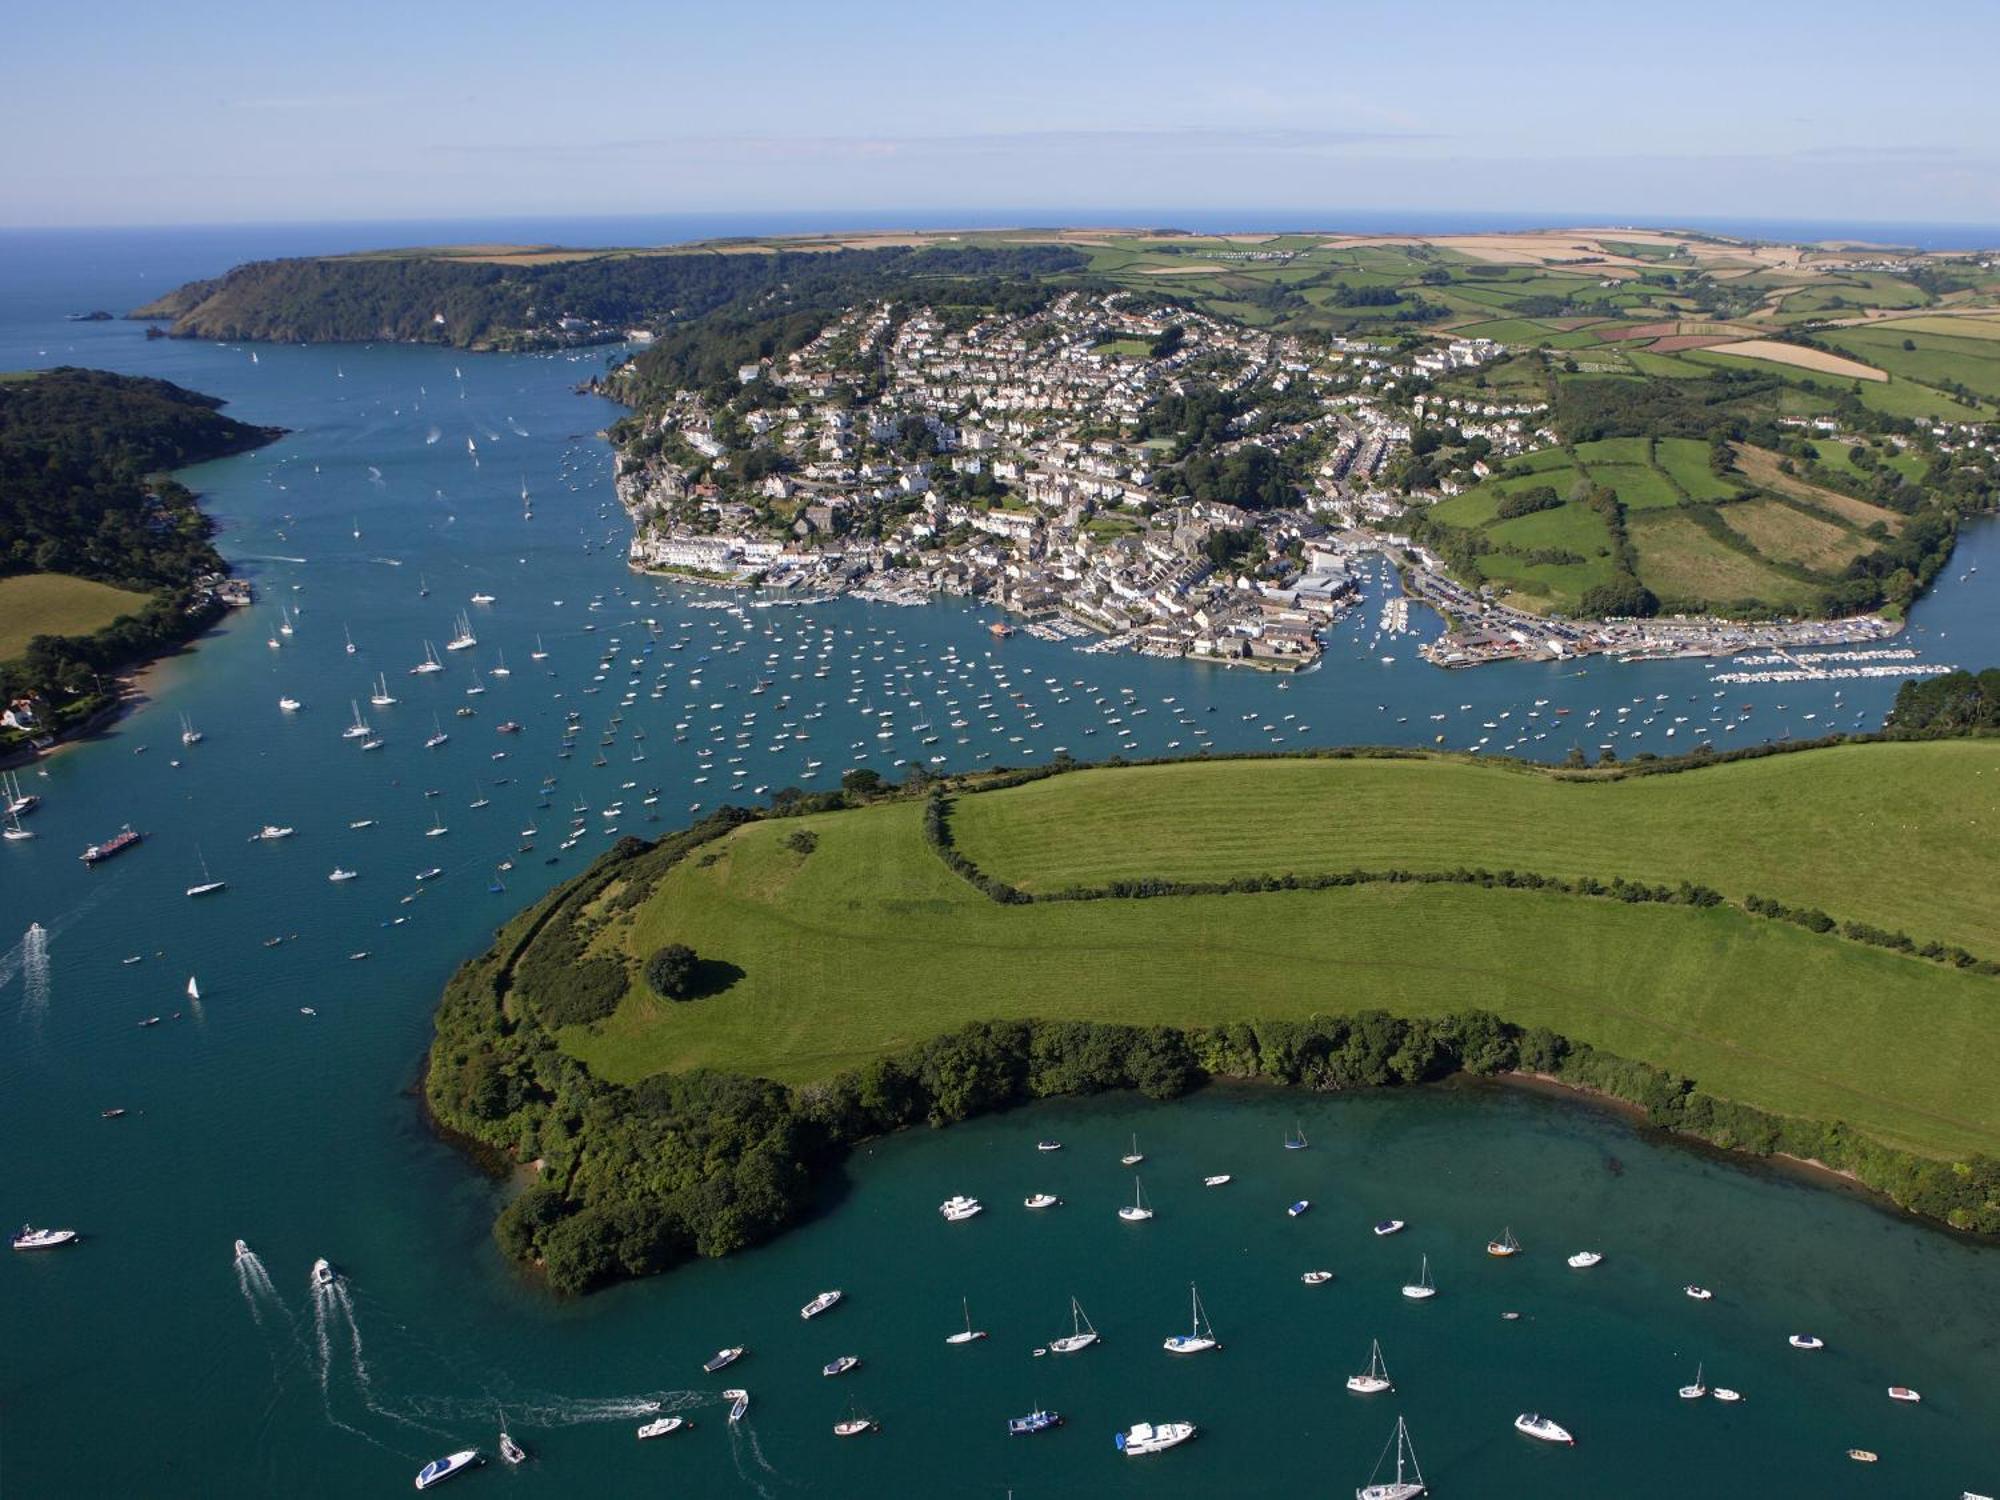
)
(742, 1439)
(35, 971)
(532, 1409)
(254, 1281)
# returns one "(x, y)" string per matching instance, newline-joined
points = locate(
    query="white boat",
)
(512, 1451)
(819, 1304)
(1534, 1425)
(1317, 1278)
(854, 1424)
(193, 990)
(1153, 1437)
(1081, 1334)
(1905, 1394)
(1375, 1379)
(739, 1405)
(242, 1249)
(31, 1238)
(723, 1359)
(841, 1365)
(347, 634)
(208, 885)
(1698, 1293)
(190, 735)
(1409, 1481)
(482, 598)
(1200, 1336)
(957, 1208)
(969, 1333)
(358, 729)
(14, 831)
(1422, 1289)
(661, 1426)
(430, 663)
(1504, 1246)
(464, 640)
(1696, 1391)
(1040, 1200)
(1048, 1145)
(1583, 1260)
(289, 705)
(1388, 1227)
(438, 1470)
(381, 697)
(539, 653)
(1806, 1341)
(1136, 1212)
(339, 874)
(1299, 1209)
(323, 1274)
(1133, 1157)
(362, 823)
(1220, 1179)
(1724, 1393)
(1296, 1141)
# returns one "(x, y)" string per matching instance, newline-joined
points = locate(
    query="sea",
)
(281, 1108)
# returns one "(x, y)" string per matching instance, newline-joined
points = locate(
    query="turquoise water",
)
(300, 1133)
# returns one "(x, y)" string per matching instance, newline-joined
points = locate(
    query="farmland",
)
(33, 604)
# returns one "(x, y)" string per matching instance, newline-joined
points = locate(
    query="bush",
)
(670, 971)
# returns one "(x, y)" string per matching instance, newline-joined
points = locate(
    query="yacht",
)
(1081, 1334)
(1806, 1341)
(1136, 1212)
(819, 1304)
(1375, 1379)
(661, 1426)
(1421, 1290)
(957, 1208)
(289, 705)
(1033, 1422)
(1040, 1200)
(31, 1238)
(1388, 1227)
(1402, 1487)
(969, 1333)
(190, 736)
(1696, 1391)
(358, 730)
(840, 1366)
(1583, 1260)
(1220, 1179)
(1317, 1278)
(464, 639)
(271, 832)
(512, 1451)
(208, 885)
(438, 1470)
(339, 874)
(381, 697)
(739, 1405)
(1699, 1293)
(323, 1274)
(1200, 1336)
(1534, 1425)
(430, 663)
(1504, 1246)
(1724, 1393)
(1048, 1145)
(1133, 1157)
(1153, 1437)
(723, 1359)
(438, 737)
(1298, 1209)
(1905, 1394)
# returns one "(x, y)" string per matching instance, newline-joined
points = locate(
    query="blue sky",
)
(203, 112)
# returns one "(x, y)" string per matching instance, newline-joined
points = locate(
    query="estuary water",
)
(413, 481)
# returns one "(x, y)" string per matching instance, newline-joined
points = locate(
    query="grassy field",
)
(868, 943)
(33, 604)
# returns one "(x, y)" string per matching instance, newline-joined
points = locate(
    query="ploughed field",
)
(869, 943)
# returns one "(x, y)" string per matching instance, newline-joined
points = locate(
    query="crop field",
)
(868, 942)
(1938, 359)
(33, 604)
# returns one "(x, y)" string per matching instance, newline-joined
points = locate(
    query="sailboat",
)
(208, 885)
(189, 734)
(1137, 1212)
(970, 1334)
(1403, 1486)
(1297, 1140)
(438, 737)
(502, 670)
(1696, 1391)
(284, 621)
(1422, 1289)
(348, 633)
(1504, 1246)
(540, 653)
(437, 827)
(1133, 1157)
(381, 697)
(856, 1424)
(464, 640)
(1081, 1334)
(194, 990)
(14, 832)
(423, 588)
(358, 730)
(430, 663)
(1200, 1337)
(1375, 1379)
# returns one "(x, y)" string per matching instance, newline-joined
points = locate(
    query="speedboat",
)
(819, 1304)
(1389, 1226)
(1317, 1278)
(31, 1238)
(339, 874)
(841, 1366)
(242, 1250)
(1724, 1393)
(723, 1359)
(438, 1470)
(1048, 1145)
(512, 1451)
(739, 1405)
(1863, 1455)
(1220, 1179)
(1152, 1437)
(1033, 1422)
(1299, 1207)
(1806, 1341)
(661, 1426)
(1904, 1393)
(323, 1274)
(1699, 1293)
(1583, 1260)
(1531, 1424)
(958, 1207)
(1040, 1200)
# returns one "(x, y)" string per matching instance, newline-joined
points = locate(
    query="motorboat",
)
(1136, 1212)
(1806, 1341)
(1698, 1293)
(969, 1334)
(1409, 1481)
(1696, 1391)
(337, 875)
(660, 1427)
(1200, 1337)
(1421, 1290)
(1299, 1208)
(1504, 1246)
(1534, 1425)
(1153, 1437)
(1724, 1393)
(31, 1238)
(1375, 1379)
(819, 1304)
(1033, 1422)
(1081, 1334)
(323, 1274)
(739, 1405)
(271, 833)
(957, 1208)
(1317, 1278)
(1040, 1200)
(1583, 1260)
(1863, 1455)
(512, 1451)
(242, 1250)
(723, 1359)
(1048, 1145)
(1220, 1179)
(289, 705)
(1388, 1227)
(438, 1470)
(1904, 1393)
(840, 1366)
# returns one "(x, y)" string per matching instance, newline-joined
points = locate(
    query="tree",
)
(861, 781)
(670, 971)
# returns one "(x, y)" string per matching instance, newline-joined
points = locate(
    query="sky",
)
(205, 111)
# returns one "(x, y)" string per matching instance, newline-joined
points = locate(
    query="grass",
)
(1789, 534)
(1678, 559)
(1938, 359)
(33, 604)
(1686, 460)
(1639, 485)
(869, 943)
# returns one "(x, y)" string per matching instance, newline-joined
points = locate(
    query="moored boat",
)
(958, 1208)
(31, 1238)
(1081, 1334)
(1136, 1212)
(438, 1470)
(1534, 1425)
(723, 1359)
(1905, 1394)
(1696, 1391)
(1698, 1293)
(1033, 1422)
(1388, 1227)
(1040, 1200)
(1583, 1260)
(1152, 1437)
(1505, 1246)
(1220, 1179)
(1409, 1481)
(840, 1366)
(1806, 1341)
(1375, 1379)
(1200, 1337)
(820, 1304)
(1421, 1290)
(512, 1451)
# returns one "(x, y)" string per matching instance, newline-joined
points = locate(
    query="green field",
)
(33, 604)
(869, 943)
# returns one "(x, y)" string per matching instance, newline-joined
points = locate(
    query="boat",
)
(193, 990)
(1200, 1336)
(439, 737)
(1133, 1157)
(1299, 1208)
(1081, 1334)
(969, 1334)
(507, 727)
(289, 705)
(1317, 1278)
(208, 885)
(19, 803)
(1534, 1425)
(323, 1274)
(1220, 1179)
(1403, 1486)
(539, 653)
(512, 1451)
(1388, 1227)
(958, 1207)
(661, 1426)
(117, 844)
(1040, 1200)
(1033, 1422)
(1048, 1145)
(381, 697)
(429, 664)
(1806, 1341)
(31, 1238)
(362, 823)
(358, 729)
(854, 1424)
(1696, 1391)
(271, 833)
(1863, 1455)
(723, 1359)
(339, 874)
(1136, 1212)
(739, 1405)
(1905, 1394)
(347, 634)
(242, 1250)
(1153, 1437)
(116, 1113)
(1375, 1379)
(190, 736)
(431, 874)
(1504, 1246)
(464, 640)
(819, 1304)
(1296, 1141)
(438, 1470)
(482, 598)
(1699, 1293)
(1583, 1260)
(840, 1366)
(14, 832)
(1422, 1289)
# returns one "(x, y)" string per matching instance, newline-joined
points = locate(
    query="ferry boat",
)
(1863, 1455)
(117, 844)
(438, 1470)
(1033, 1422)
(1534, 1425)
(739, 1405)
(723, 1359)
(661, 1426)
(1375, 1379)
(957, 1208)
(1402, 1487)
(31, 1238)
(819, 1304)
(1152, 1437)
